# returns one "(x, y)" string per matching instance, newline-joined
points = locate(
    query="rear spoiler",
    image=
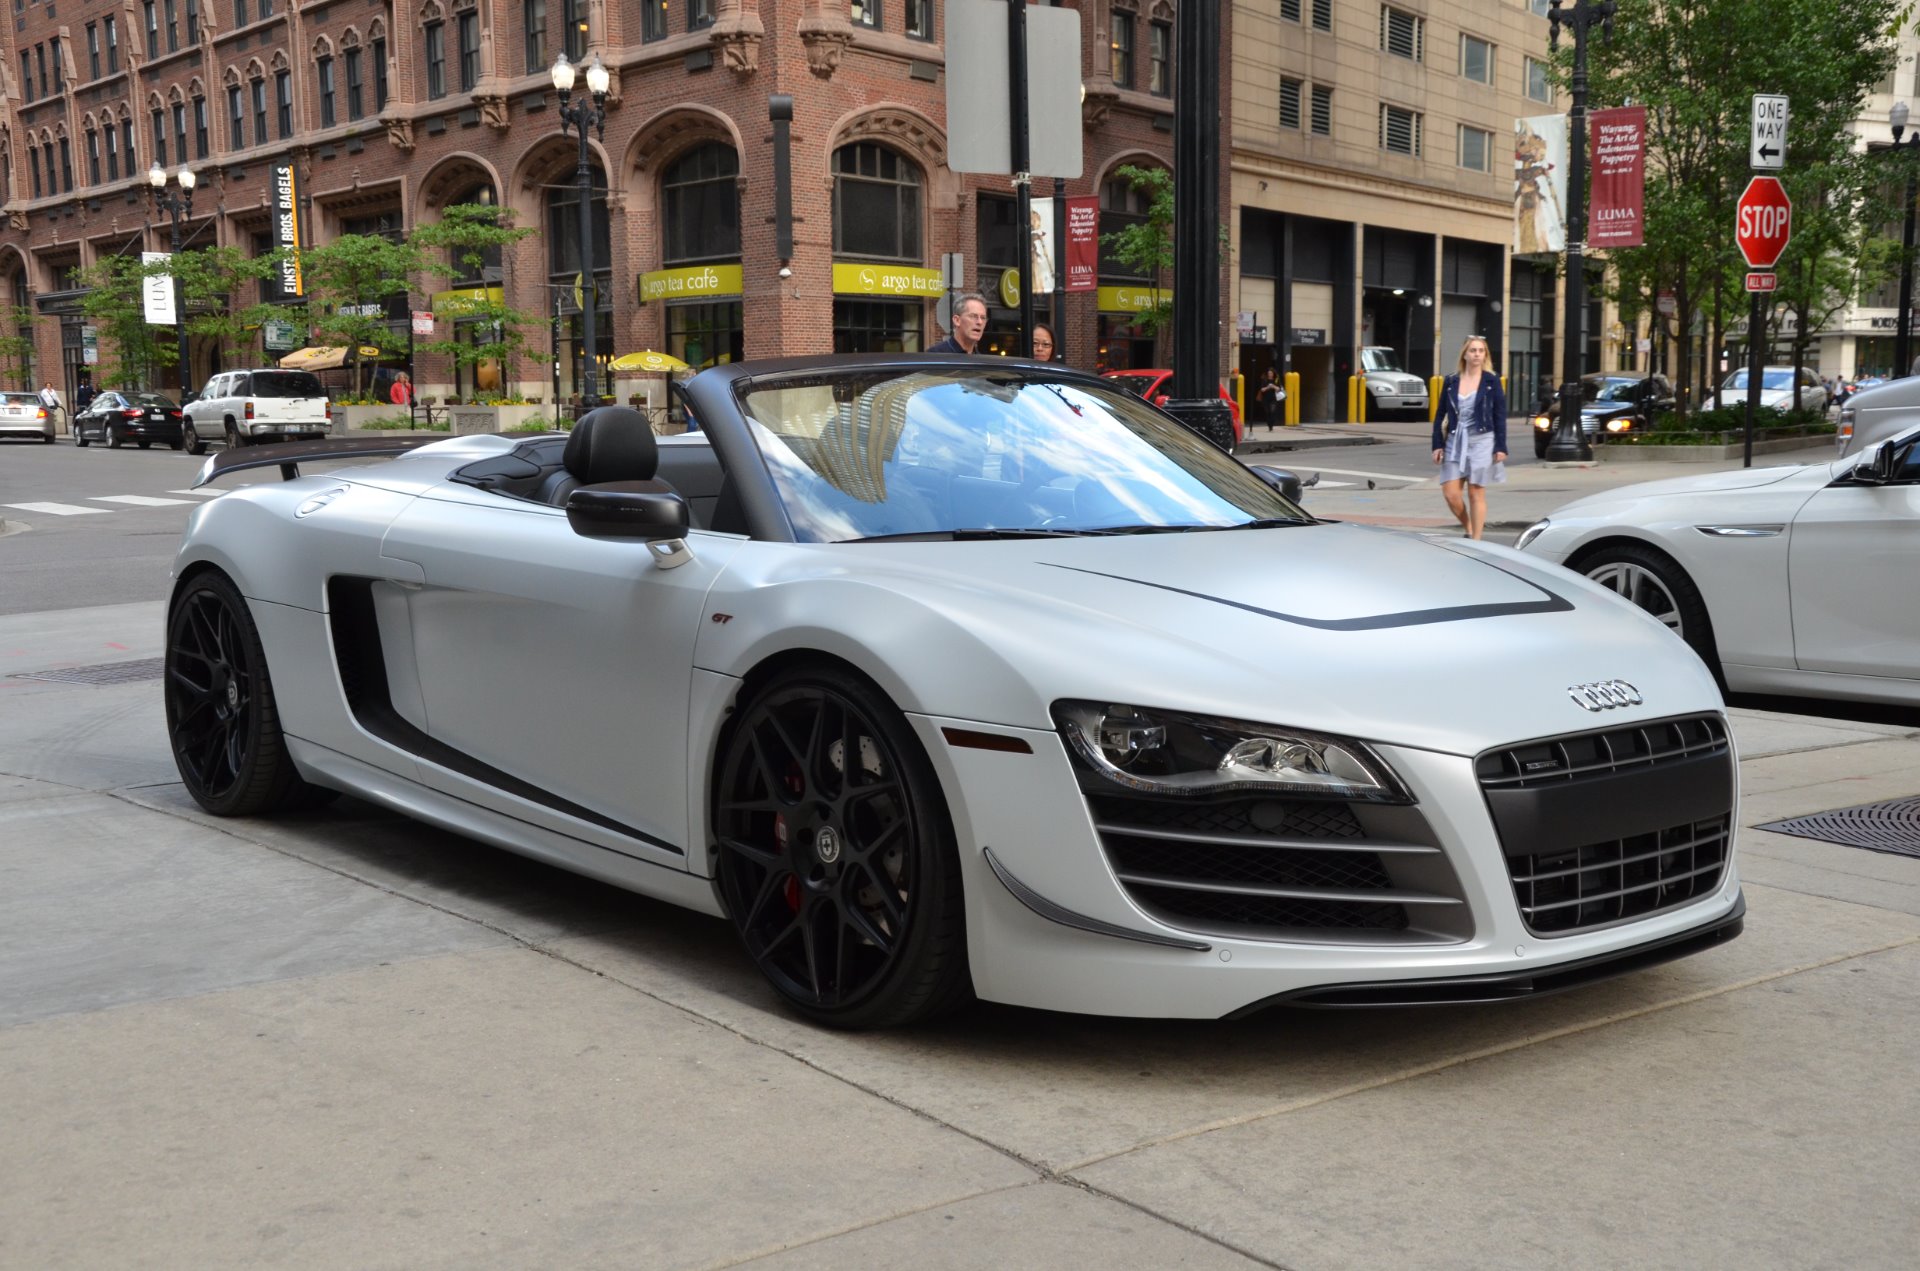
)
(289, 455)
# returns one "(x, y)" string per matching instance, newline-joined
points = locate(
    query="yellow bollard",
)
(1433, 395)
(1292, 386)
(1356, 399)
(1240, 394)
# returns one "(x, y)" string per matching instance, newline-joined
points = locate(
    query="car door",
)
(99, 415)
(1852, 558)
(564, 662)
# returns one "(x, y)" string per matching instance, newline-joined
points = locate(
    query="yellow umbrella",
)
(647, 360)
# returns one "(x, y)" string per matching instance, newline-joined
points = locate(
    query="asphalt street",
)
(344, 1039)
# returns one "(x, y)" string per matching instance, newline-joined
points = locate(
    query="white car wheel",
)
(1655, 583)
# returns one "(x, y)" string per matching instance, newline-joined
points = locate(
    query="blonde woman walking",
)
(1470, 436)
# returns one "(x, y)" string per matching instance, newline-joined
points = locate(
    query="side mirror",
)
(1288, 483)
(1876, 465)
(636, 510)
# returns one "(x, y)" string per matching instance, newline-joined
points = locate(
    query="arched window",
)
(876, 203)
(487, 269)
(1121, 205)
(700, 205)
(563, 228)
(93, 156)
(563, 263)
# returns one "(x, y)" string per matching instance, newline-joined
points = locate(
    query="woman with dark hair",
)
(1043, 343)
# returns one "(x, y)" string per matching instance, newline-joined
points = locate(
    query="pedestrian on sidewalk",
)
(969, 324)
(1470, 435)
(1269, 396)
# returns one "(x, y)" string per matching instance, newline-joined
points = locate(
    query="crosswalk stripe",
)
(137, 500)
(57, 509)
(205, 494)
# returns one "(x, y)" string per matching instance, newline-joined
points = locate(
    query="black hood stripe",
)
(1548, 603)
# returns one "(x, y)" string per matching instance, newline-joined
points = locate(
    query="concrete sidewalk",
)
(342, 1039)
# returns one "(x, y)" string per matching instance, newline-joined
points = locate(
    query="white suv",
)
(263, 405)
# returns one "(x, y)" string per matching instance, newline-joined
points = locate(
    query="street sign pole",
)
(1762, 228)
(1753, 371)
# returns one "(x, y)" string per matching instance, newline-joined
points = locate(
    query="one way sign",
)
(1767, 148)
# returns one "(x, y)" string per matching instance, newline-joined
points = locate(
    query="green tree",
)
(209, 282)
(1146, 247)
(16, 346)
(132, 351)
(349, 282)
(458, 246)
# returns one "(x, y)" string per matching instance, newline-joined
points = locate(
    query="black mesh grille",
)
(1571, 758)
(1601, 883)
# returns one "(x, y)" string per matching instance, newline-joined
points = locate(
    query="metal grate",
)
(105, 673)
(1893, 826)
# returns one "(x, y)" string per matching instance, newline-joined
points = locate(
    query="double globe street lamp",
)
(588, 112)
(1569, 440)
(175, 206)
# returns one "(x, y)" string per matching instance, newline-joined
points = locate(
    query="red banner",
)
(1083, 244)
(1618, 143)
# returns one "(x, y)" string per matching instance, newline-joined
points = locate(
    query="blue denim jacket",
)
(1489, 410)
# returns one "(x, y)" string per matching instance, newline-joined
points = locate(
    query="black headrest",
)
(612, 443)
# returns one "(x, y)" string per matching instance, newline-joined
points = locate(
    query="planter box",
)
(469, 420)
(1707, 454)
(347, 419)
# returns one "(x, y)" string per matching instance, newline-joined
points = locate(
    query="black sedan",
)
(118, 417)
(1610, 404)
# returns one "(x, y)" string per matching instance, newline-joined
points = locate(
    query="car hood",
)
(1348, 629)
(1400, 381)
(1704, 483)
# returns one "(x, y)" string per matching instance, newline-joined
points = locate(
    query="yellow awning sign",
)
(463, 301)
(1131, 299)
(646, 361)
(695, 283)
(886, 280)
(322, 358)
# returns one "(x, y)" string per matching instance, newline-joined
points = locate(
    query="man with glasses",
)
(969, 324)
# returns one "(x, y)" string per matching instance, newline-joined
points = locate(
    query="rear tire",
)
(234, 438)
(1656, 583)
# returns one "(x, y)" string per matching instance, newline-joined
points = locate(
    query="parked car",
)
(1847, 388)
(22, 415)
(1390, 387)
(1776, 390)
(1869, 415)
(938, 678)
(117, 417)
(1610, 404)
(1154, 385)
(242, 407)
(1784, 580)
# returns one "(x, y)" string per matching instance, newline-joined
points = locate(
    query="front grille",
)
(1284, 869)
(1609, 826)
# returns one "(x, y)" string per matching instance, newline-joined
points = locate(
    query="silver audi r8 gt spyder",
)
(1794, 580)
(943, 677)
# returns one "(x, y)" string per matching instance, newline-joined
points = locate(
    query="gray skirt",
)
(1469, 456)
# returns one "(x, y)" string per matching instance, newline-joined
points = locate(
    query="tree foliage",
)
(349, 283)
(1146, 247)
(458, 246)
(16, 346)
(132, 352)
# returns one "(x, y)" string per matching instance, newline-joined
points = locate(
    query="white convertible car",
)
(941, 677)
(1785, 580)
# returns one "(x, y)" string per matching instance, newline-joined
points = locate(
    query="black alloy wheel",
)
(190, 438)
(222, 720)
(79, 433)
(835, 855)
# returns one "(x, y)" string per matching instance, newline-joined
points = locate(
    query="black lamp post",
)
(1903, 337)
(1569, 441)
(175, 206)
(588, 113)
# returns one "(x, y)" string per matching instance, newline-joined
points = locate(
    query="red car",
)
(1153, 386)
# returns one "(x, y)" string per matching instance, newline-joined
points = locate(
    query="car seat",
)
(610, 443)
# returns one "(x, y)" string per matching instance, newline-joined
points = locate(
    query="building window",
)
(866, 13)
(173, 27)
(706, 334)
(33, 168)
(153, 29)
(283, 94)
(1476, 149)
(533, 15)
(876, 203)
(1402, 34)
(1160, 59)
(379, 75)
(239, 13)
(193, 21)
(700, 13)
(700, 198)
(1122, 46)
(1540, 7)
(26, 73)
(199, 127)
(875, 326)
(266, 8)
(1290, 92)
(575, 14)
(375, 225)
(1476, 59)
(353, 84)
(93, 157)
(113, 153)
(259, 89)
(236, 119)
(113, 45)
(1537, 86)
(93, 50)
(1120, 206)
(1322, 118)
(469, 32)
(126, 144)
(920, 19)
(1290, 10)
(436, 59)
(59, 81)
(653, 20)
(1323, 15)
(325, 68)
(40, 56)
(66, 165)
(180, 130)
(1399, 130)
(159, 121)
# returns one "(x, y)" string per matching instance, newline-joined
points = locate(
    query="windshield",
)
(1769, 378)
(866, 454)
(1381, 360)
(1608, 390)
(286, 384)
(148, 399)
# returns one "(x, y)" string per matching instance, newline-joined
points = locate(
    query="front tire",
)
(190, 438)
(222, 720)
(79, 437)
(1657, 584)
(835, 854)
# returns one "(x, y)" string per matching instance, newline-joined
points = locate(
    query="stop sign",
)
(1765, 222)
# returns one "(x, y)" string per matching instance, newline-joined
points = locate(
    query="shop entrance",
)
(1314, 365)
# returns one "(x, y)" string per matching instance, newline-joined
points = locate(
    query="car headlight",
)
(1162, 752)
(1619, 425)
(1542, 423)
(1530, 533)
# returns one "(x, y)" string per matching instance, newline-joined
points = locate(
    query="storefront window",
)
(1122, 347)
(875, 326)
(700, 196)
(703, 335)
(876, 203)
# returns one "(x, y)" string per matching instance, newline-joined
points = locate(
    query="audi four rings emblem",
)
(1604, 695)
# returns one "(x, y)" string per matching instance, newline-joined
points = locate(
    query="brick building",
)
(388, 111)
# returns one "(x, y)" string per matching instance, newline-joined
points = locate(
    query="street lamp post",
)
(1903, 337)
(1569, 441)
(588, 113)
(175, 206)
